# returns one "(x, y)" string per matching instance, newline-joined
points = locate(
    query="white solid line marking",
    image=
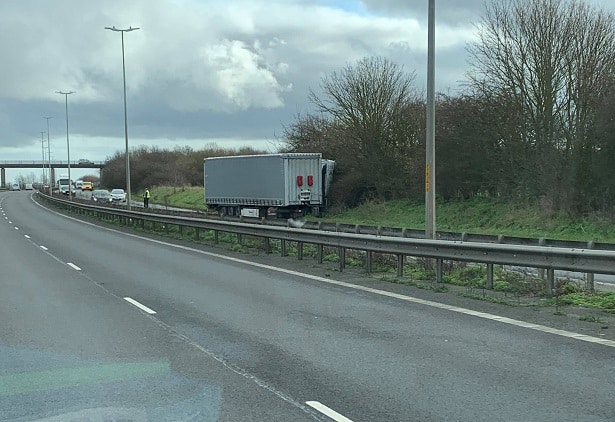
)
(26, 236)
(73, 266)
(139, 305)
(328, 411)
(483, 315)
(44, 248)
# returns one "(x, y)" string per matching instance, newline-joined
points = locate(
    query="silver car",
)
(118, 195)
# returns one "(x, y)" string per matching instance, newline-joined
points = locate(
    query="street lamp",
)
(49, 154)
(128, 191)
(430, 144)
(43, 151)
(66, 94)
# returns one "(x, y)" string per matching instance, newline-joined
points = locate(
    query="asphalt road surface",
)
(230, 341)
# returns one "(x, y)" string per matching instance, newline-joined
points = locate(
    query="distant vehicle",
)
(102, 196)
(78, 183)
(15, 186)
(282, 185)
(63, 185)
(84, 161)
(118, 195)
(87, 186)
(29, 186)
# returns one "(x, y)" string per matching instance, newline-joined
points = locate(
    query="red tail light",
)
(299, 180)
(310, 180)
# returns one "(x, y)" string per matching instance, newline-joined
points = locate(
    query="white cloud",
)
(197, 69)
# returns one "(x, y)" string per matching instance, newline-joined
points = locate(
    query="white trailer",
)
(283, 185)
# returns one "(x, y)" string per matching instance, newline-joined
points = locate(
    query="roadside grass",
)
(482, 215)
(191, 197)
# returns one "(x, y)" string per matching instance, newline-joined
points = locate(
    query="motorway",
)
(102, 325)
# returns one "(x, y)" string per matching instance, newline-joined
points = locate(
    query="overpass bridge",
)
(53, 165)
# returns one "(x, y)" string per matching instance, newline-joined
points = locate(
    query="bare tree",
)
(549, 61)
(366, 106)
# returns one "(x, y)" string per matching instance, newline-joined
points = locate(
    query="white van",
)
(15, 186)
(29, 186)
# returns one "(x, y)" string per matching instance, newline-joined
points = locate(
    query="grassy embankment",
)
(484, 215)
(182, 197)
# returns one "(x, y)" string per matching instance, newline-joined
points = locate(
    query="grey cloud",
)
(196, 70)
(453, 12)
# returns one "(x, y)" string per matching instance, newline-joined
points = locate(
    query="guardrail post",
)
(589, 281)
(283, 251)
(197, 234)
(216, 237)
(166, 228)
(181, 229)
(369, 255)
(400, 265)
(489, 285)
(143, 223)
(342, 254)
(319, 252)
(299, 250)
(550, 282)
(357, 229)
(439, 262)
(541, 271)
(240, 238)
(267, 244)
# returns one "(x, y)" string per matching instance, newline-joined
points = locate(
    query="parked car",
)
(87, 186)
(15, 186)
(29, 186)
(101, 195)
(118, 195)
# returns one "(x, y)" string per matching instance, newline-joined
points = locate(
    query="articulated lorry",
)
(271, 185)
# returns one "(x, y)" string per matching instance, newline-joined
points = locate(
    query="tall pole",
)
(430, 144)
(70, 191)
(49, 154)
(43, 151)
(128, 190)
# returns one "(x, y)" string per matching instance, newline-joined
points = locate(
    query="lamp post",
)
(66, 94)
(128, 191)
(49, 153)
(43, 151)
(430, 144)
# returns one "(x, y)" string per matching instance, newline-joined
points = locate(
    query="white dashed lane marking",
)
(140, 305)
(330, 413)
(73, 266)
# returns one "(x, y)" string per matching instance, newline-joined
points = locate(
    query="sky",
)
(232, 72)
